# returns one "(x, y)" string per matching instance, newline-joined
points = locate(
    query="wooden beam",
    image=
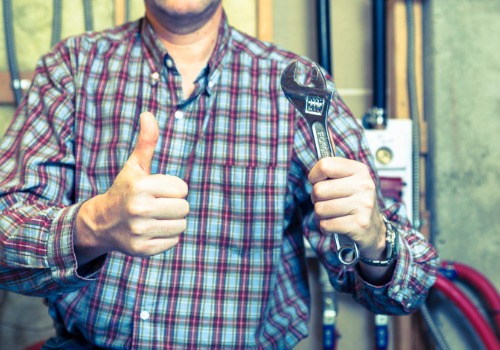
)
(265, 20)
(397, 48)
(396, 56)
(419, 57)
(119, 12)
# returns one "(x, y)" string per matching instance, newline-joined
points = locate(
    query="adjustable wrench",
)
(313, 102)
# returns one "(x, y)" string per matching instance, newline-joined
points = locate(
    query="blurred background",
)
(434, 81)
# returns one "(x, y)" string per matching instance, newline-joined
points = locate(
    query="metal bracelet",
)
(391, 246)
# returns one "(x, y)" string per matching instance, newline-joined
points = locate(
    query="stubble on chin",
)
(181, 21)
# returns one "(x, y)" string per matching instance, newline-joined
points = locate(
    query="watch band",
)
(391, 246)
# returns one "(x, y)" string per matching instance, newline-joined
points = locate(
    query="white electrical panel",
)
(392, 149)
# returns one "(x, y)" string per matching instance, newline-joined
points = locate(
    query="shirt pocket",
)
(242, 206)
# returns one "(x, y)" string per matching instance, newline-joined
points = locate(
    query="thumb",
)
(146, 142)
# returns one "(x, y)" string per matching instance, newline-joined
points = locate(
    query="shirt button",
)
(144, 315)
(211, 84)
(155, 77)
(179, 114)
(396, 289)
(169, 63)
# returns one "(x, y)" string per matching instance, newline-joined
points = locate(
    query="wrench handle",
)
(347, 250)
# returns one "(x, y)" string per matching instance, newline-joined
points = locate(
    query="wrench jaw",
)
(292, 90)
(317, 78)
(290, 84)
(313, 100)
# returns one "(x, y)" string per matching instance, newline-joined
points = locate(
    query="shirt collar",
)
(156, 53)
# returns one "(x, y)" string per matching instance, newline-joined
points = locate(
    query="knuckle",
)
(170, 243)
(136, 186)
(324, 225)
(182, 225)
(179, 186)
(164, 245)
(364, 222)
(136, 248)
(368, 204)
(185, 208)
(183, 189)
(323, 165)
(136, 228)
(135, 208)
(319, 208)
(371, 205)
(175, 227)
(369, 185)
(362, 167)
(316, 191)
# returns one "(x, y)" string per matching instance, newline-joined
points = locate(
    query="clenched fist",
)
(345, 201)
(141, 214)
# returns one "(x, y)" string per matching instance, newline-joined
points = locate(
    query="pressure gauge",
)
(384, 155)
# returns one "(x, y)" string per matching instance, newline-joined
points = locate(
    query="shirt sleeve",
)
(37, 213)
(417, 261)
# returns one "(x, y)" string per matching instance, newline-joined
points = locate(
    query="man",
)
(156, 186)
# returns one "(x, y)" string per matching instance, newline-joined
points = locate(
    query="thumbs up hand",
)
(141, 214)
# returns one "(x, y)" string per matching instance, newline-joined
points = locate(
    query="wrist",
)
(387, 247)
(86, 242)
(377, 249)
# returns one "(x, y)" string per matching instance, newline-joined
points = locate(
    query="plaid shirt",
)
(238, 276)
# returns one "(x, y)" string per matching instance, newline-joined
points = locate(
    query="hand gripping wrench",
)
(313, 102)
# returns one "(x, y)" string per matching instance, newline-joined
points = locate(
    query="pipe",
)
(433, 329)
(56, 22)
(324, 46)
(376, 117)
(413, 105)
(330, 334)
(479, 324)
(10, 46)
(479, 283)
(379, 55)
(381, 332)
(127, 10)
(88, 15)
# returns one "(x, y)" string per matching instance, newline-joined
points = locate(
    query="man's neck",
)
(191, 51)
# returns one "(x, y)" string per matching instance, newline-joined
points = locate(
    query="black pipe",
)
(377, 118)
(379, 55)
(324, 46)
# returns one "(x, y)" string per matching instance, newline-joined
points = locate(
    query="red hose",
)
(482, 328)
(479, 282)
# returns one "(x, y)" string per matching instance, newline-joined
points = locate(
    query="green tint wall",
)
(33, 29)
(463, 77)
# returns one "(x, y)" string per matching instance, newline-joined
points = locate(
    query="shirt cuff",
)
(61, 254)
(397, 289)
